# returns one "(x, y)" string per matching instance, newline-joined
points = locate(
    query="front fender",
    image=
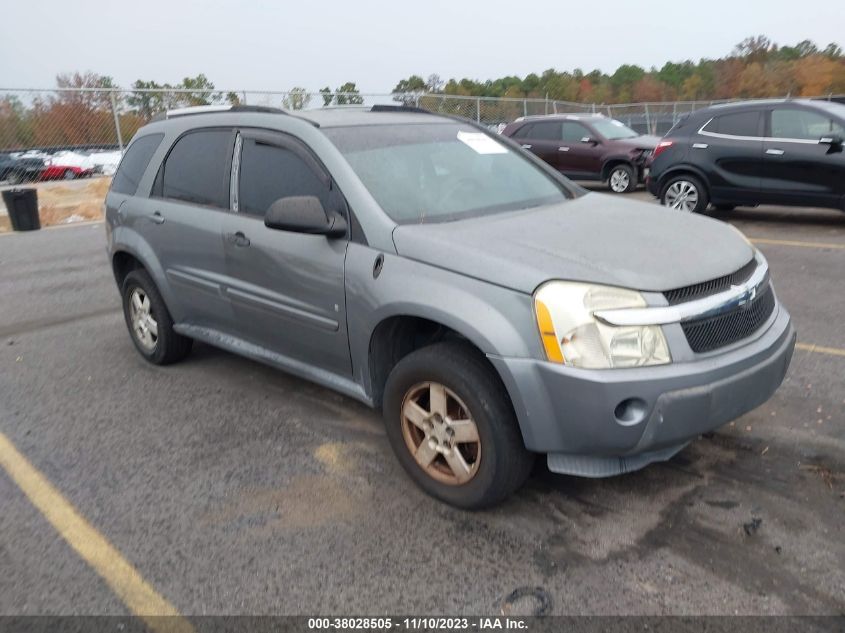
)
(497, 320)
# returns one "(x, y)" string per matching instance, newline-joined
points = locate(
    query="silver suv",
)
(492, 309)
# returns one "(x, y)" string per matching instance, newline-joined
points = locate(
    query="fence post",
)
(647, 120)
(478, 109)
(525, 107)
(116, 121)
(674, 113)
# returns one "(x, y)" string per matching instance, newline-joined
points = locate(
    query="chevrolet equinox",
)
(489, 307)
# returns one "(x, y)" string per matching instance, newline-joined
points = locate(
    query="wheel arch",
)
(612, 162)
(131, 252)
(397, 335)
(678, 170)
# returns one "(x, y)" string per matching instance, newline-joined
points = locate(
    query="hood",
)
(596, 238)
(646, 141)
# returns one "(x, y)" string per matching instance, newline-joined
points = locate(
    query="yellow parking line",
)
(141, 599)
(807, 347)
(763, 240)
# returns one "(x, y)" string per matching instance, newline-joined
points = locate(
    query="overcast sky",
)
(264, 45)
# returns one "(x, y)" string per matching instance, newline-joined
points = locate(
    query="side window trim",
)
(235, 173)
(767, 130)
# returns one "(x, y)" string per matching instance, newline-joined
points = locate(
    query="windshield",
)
(442, 171)
(611, 129)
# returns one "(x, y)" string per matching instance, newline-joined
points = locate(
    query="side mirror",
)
(834, 140)
(304, 214)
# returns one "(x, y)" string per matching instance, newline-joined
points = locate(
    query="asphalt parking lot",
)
(232, 488)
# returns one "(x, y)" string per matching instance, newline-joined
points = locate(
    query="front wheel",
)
(685, 193)
(453, 428)
(622, 179)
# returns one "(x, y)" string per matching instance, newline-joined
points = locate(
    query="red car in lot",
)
(64, 172)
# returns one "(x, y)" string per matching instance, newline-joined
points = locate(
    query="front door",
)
(584, 150)
(802, 164)
(286, 288)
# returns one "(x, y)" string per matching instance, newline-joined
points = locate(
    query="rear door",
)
(543, 138)
(183, 219)
(729, 150)
(286, 288)
(798, 168)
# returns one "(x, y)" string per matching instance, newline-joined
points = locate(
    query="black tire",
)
(702, 199)
(627, 179)
(503, 463)
(169, 347)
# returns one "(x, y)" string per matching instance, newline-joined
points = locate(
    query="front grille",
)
(718, 331)
(712, 287)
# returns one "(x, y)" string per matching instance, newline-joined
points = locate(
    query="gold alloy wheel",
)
(440, 433)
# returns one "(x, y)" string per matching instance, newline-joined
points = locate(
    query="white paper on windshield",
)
(482, 143)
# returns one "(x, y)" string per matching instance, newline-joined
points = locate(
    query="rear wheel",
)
(622, 179)
(149, 322)
(685, 193)
(69, 174)
(453, 428)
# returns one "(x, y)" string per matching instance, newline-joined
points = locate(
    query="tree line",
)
(83, 108)
(757, 67)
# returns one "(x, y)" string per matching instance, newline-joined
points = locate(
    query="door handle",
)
(563, 149)
(526, 147)
(775, 152)
(238, 239)
(700, 145)
(156, 218)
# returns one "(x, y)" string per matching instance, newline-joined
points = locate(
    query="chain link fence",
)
(77, 133)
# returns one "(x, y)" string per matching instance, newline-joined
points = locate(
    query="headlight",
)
(573, 336)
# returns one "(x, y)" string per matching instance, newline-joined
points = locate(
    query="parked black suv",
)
(786, 152)
(587, 147)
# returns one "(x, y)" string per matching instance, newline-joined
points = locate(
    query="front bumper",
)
(626, 413)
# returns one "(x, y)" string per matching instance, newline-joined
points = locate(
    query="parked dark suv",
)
(756, 152)
(587, 147)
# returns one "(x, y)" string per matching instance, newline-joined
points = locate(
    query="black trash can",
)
(22, 205)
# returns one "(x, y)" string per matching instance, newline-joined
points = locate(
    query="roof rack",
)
(209, 109)
(400, 108)
(566, 115)
(205, 109)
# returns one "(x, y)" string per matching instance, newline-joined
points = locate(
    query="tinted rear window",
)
(134, 164)
(197, 168)
(738, 124)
